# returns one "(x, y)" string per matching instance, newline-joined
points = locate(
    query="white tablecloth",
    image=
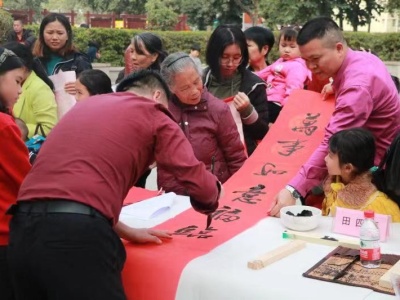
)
(223, 273)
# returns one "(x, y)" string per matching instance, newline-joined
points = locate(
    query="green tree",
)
(6, 24)
(285, 12)
(360, 13)
(392, 5)
(202, 13)
(64, 5)
(161, 14)
(117, 6)
(372, 6)
(98, 6)
(251, 7)
(356, 12)
(198, 13)
(35, 5)
(128, 6)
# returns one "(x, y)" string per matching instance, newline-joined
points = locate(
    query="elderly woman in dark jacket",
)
(206, 121)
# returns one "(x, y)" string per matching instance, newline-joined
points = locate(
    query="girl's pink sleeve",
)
(264, 73)
(296, 78)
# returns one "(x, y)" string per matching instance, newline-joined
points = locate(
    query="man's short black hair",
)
(144, 79)
(195, 47)
(19, 19)
(319, 28)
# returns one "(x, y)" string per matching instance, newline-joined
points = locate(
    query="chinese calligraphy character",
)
(309, 128)
(269, 168)
(226, 214)
(346, 221)
(359, 222)
(311, 119)
(202, 234)
(186, 230)
(250, 196)
(290, 147)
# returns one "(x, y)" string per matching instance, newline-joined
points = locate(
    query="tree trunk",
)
(255, 15)
(254, 19)
(340, 19)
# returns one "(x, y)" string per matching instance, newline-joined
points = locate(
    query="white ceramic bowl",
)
(300, 223)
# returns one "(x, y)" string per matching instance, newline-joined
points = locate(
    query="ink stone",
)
(304, 213)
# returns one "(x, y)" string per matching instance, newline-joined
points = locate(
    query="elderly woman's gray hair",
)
(176, 63)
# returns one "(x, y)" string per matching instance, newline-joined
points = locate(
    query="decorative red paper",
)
(153, 271)
(137, 194)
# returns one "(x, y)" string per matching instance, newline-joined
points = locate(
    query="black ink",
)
(312, 117)
(250, 196)
(329, 238)
(308, 124)
(308, 130)
(203, 234)
(268, 168)
(303, 213)
(226, 214)
(189, 232)
(290, 147)
(186, 230)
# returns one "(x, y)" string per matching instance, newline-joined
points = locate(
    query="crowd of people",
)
(59, 217)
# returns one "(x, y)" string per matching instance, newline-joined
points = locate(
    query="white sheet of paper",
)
(150, 208)
(64, 100)
(238, 121)
(151, 212)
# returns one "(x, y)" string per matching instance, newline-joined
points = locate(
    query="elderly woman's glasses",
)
(235, 60)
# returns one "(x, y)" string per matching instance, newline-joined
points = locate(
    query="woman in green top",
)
(35, 109)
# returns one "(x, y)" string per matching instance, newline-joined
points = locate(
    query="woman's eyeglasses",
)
(235, 60)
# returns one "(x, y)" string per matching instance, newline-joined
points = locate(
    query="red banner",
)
(137, 194)
(153, 271)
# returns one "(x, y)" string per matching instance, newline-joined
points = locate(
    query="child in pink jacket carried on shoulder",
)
(288, 73)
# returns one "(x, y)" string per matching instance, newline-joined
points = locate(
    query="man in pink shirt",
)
(365, 97)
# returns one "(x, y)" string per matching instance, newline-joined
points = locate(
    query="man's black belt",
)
(55, 206)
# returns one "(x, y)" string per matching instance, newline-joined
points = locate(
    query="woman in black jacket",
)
(227, 77)
(55, 50)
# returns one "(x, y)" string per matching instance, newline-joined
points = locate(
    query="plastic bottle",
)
(370, 250)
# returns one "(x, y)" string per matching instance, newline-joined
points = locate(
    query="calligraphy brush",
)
(343, 272)
(209, 217)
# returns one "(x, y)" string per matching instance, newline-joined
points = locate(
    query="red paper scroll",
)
(153, 272)
(137, 194)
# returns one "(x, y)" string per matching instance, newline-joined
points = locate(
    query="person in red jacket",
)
(206, 121)
(14, 161)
